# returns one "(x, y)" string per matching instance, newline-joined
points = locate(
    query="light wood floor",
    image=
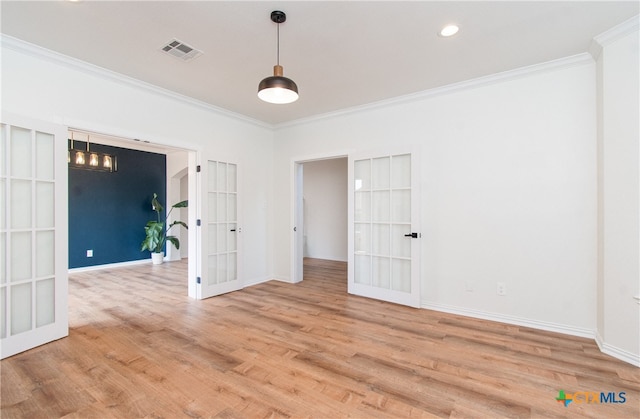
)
(139, 347)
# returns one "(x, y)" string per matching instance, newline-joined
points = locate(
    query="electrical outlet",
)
(469, 286)
(90, 253)
(502, 288)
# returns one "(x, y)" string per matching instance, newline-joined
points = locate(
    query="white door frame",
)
(297, 270)
(194, 231)
(193, 150)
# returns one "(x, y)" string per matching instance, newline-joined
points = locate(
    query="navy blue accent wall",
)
(108, 211)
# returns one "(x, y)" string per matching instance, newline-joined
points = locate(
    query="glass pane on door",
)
(20, 163)
(21, 253)
(20, 204)
(20, 308)
(44, 156)
(45, 297)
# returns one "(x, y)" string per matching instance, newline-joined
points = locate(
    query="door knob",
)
(412, 235)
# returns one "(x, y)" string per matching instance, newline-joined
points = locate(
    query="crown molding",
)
(78, 65)
(567, 62)
(625, 28)
(39, 52)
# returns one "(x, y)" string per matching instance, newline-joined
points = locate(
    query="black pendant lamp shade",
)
(277, 88)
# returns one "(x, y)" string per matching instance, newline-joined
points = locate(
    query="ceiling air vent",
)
(181, 50)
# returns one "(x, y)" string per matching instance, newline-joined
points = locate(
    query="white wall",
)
(79, 96)
(325, 209)
(619, 196)
(177, 187)
(508, 192)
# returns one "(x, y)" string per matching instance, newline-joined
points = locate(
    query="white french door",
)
(33, 234)
(219, 229)
(384, 236)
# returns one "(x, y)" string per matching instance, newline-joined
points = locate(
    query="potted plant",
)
(156, 233)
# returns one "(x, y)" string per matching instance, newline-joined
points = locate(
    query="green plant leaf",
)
(155, 204)
(156, 234)
(182, 223)
(182, 204)
(174, 240)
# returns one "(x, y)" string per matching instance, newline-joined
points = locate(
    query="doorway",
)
(382, 225)
(142, 168)
(320, 211)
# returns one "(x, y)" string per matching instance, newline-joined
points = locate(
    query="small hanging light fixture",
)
(277, 88)
(93, 157)
(90, 160)
(80, 158)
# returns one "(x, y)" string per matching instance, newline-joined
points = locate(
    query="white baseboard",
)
(282, 279)
(331, 258)
(253, 282)
(110, 265)
(621, 354)
(605, 348)
(256, 281)
(518, 321)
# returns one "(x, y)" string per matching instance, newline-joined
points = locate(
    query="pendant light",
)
(80, 158)
(277, 88)
(90, 160)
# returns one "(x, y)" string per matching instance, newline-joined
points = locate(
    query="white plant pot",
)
(157, 258)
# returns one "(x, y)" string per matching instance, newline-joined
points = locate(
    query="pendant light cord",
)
(278, 48)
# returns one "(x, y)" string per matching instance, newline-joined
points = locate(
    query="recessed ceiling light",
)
(449, 30)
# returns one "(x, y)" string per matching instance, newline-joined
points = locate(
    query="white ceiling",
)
(340, 53)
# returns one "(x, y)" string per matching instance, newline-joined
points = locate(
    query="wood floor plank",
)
(139, 347)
